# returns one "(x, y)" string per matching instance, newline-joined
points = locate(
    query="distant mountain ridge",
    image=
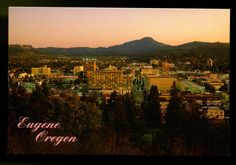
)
(146, 45)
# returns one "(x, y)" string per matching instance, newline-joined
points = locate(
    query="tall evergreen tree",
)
(130, 110)
(152, 113)
(174, 108)
(45, 89)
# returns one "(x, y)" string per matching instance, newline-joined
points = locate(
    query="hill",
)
(146, 46)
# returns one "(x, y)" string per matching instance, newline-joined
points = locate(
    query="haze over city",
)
(104, 27)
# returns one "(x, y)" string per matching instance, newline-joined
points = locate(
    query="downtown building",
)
(163, 82)
(41, 71)
(111, 79)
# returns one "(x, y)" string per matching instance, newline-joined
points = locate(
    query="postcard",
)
(118, 81)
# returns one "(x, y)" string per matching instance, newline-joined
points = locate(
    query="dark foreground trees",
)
(190, 132)
(116, 127)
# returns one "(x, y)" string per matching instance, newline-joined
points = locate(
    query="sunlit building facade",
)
(110, 78)
(78, 69)
(163, 83)
(43, 71)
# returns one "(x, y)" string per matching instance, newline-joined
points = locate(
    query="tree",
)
(118, 116)
(175, 104)
(144, 105)
(152, 113)
(209, 88)
(190, 129)
(130, 111)
(174, 109)
(77, 81)
(82, 79)
(45, 89)
(120, 123)
(116, 121)
(224, 87)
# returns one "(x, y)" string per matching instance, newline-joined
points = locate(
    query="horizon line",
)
(118, 44)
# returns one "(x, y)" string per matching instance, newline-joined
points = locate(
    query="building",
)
(164, 101)
(213, 80)
(23, 75)
(215, 112)
(216, 84)
(213, 76)
(149, 71)
(90, 66)
(223, 77)
(66, 77)
(166, 66)
(111, 68)
(78, 69)
(42, 71)
(107, 79)
(154, 62)
(164, 83)
(210, 62)
(110, 78)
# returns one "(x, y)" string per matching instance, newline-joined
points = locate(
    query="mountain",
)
(217, 50)
(141, 44)
(198, 44)
(145, 46)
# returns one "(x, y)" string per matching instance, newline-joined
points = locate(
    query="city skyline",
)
(104, 27)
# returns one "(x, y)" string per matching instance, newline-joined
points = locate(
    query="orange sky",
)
(95, 27)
